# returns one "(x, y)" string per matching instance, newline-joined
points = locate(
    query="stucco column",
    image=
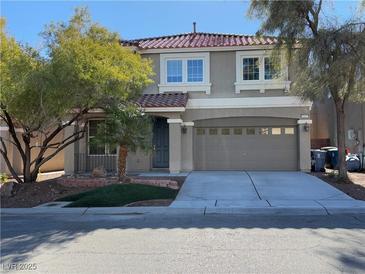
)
(187, 146)
(304, 145)
(69, 152)
(174, 145)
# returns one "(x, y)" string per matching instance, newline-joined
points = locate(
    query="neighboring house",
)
(218, 103)
(55, 164)
(324, 125)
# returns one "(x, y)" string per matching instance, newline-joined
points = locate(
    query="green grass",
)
(118, 195)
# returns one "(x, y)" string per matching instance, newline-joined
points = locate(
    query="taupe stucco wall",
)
(139, 161)
(54, 164)
(320, 115)
(324, 123)
(355, 120)
(222, 78)
(155, 58)
(200, 114)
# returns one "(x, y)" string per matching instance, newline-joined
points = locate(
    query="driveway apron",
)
(206, 188)
(280, 185)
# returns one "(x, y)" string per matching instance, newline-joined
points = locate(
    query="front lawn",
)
(119, 195)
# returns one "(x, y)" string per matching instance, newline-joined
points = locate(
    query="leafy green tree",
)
(328, 56)
(129, 128)
(84, 68)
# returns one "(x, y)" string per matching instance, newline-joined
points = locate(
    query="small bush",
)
(3, 178)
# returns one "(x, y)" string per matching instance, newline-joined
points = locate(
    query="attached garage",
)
(246, 143)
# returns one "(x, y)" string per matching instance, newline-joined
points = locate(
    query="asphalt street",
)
(67, 243)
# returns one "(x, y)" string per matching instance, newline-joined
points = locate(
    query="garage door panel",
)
(246, 152)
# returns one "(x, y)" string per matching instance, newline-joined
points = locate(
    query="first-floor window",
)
(97, 148)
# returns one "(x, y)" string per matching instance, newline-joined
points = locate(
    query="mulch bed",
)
(33, 194)
(355, 187)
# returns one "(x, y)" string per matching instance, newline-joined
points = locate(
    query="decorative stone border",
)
(99, 182)
(156, 182)
(86, 182)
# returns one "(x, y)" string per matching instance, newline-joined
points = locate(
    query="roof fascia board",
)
(205, 49)
(163, 109)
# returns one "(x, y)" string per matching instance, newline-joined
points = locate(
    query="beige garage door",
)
(272, 147)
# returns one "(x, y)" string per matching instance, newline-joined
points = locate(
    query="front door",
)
(160, 143)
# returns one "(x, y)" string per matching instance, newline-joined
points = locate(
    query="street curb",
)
(42, 211)
(273, 211)
(142, 210)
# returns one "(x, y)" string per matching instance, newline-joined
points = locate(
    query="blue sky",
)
(136, 19)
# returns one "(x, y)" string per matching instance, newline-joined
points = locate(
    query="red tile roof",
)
(200, 40)
(163, 100)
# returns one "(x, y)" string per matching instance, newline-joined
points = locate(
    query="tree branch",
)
(44, 160)
(4, 153)
(57, 145)
(8, 140)
(49, 138)
(11, 126)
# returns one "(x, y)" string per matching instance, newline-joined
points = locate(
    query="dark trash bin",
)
(329, 156)
(353, 162)
(318, 160)
(333, 158)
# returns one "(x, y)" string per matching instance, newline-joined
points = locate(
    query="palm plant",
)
(129, 128)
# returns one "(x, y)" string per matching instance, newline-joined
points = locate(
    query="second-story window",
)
(195, 70)
(174, 71)
(271, 70)
(250, 69)
(185, 72)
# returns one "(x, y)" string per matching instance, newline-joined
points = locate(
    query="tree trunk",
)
(28, 177)
(122, 162)
(342, 169)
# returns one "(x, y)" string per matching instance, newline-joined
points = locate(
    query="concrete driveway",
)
(255, 190)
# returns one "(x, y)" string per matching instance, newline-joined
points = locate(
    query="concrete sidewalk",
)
(284, 207)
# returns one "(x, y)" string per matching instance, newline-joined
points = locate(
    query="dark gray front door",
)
(160, 143)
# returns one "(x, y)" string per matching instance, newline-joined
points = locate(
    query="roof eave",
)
(205, 49)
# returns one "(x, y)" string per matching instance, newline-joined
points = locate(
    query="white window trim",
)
(261, 84)
(185, 86)
(106, 146)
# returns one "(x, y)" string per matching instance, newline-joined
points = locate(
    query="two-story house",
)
(218, 102)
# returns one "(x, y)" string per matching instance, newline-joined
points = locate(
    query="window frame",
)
(185, 85)
(107, 148)
(259, 65)
(182, 71)
(289, 130)
(280, 82)
(276, 76)
(187, 70)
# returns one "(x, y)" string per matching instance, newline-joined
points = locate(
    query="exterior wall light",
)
(306, 127)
